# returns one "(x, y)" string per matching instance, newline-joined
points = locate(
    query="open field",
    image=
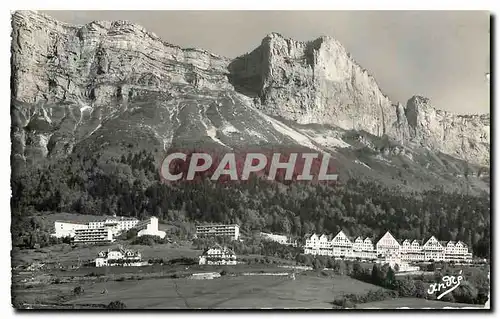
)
(154, 287)
(226, 292)
(414, 303)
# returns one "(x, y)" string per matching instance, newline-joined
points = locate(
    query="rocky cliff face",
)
(106, 84)
(68, 80)
(318, 82)
(463, 136)
(314, 82)
(101, 61)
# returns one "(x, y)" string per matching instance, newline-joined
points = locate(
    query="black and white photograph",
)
(250, 160)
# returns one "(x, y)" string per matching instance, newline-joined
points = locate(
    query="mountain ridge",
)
(319, 82)
(104, 86)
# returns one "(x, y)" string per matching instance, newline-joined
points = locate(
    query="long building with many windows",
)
(387, 248)
(97, 231)
(218, 230)
(94, 235)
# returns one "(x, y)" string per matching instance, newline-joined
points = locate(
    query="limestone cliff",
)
(66, 80)
(319, 82)
(72, 84)
(100, 61)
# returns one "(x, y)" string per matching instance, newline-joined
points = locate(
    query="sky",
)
(443, 55)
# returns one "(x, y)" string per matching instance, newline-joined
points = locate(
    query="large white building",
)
(457, 251)
(387, 249)
(100, 230)
(411, 250)
(116, 224)
(93, 235)
(67, 229)
(342, 246)
(435, 250)
(218, 230)
(363, 249)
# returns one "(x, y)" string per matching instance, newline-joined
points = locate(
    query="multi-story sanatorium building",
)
(93, 235)
(116, 224)
(218, 230)
(97, 231)
(149, 227)
(387, 248)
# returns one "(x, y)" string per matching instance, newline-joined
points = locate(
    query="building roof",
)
(77, 222)
(463, 244)
(377, 239)
(214, 225)
(120, 250)
(222, 248)
(115, 218)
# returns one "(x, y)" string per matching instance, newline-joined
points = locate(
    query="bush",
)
(357, 270)
(78, 291)
(91, 274)
(348, 300)
(448, 298)
(420, 290)
(147, 240)
(188, 261)
(344, 303)
(405, 287)
(116, 305)
(465, 293)
(482, 296)
(157, 261)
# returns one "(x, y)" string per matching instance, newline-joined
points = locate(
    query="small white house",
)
(119, 257)
(218, 255)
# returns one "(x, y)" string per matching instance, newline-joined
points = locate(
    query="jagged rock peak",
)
(319, 82)
(313, 82)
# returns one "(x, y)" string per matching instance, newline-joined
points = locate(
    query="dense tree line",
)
(130, 186)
